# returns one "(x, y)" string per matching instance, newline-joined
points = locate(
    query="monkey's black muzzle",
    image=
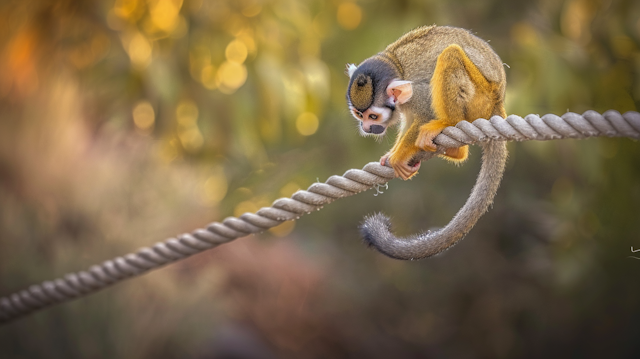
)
(376, 129)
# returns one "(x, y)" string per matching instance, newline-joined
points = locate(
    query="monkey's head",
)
(375, 90)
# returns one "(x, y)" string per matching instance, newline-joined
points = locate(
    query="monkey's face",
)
(373, 95)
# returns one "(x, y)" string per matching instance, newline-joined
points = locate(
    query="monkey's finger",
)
(383, 160)
(426, 144)
(398, 172)
(397, 169)
(407, 171)
(425, 140)
(404, 171)
(408, 176)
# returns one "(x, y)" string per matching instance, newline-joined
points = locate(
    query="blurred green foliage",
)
(125, 122)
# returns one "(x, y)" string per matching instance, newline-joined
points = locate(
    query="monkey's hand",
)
(399, 159)
(429, 131)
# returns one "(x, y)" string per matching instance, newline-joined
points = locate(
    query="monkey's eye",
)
(358, 113)
(373, 117)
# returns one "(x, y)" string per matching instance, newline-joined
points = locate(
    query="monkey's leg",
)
(402, 152)
(459, 92)
(457, 154)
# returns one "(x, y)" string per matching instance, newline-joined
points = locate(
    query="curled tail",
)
(376, 229)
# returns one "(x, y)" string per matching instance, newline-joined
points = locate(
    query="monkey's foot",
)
(401, 168)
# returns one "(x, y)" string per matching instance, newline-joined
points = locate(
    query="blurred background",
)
(126, 122)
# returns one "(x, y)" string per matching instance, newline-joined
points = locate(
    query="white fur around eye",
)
(351, 68)
(382, 111)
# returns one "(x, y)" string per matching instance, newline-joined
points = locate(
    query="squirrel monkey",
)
(431, 78)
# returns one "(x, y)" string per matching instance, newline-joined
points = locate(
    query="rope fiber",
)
(513, 128)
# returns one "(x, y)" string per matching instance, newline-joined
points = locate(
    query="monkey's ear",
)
(351, 68)
(400, 91)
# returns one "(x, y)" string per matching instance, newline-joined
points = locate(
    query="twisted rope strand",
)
(513, 128)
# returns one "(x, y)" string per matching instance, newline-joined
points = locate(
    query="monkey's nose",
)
(377, 129)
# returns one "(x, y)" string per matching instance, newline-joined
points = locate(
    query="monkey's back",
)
(418, 50)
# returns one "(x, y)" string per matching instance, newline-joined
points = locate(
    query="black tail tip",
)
(373, 228)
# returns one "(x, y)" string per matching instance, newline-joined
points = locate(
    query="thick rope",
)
(513, 128)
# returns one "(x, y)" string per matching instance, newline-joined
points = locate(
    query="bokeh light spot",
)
(231, 75)
(349, 15)
(236, 51)
(164, 14)
(126, 9)
(244, 207)
(249, 42)
(215, 188)
(307, 123)
(191, 139)
(139, 50)
(143, 115)
(289, 189)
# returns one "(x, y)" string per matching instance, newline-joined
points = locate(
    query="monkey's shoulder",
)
(419, 106)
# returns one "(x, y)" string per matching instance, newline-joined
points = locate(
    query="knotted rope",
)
(513, 128)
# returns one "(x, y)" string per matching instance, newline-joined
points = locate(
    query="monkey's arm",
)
(376, 229)
(403, 151)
